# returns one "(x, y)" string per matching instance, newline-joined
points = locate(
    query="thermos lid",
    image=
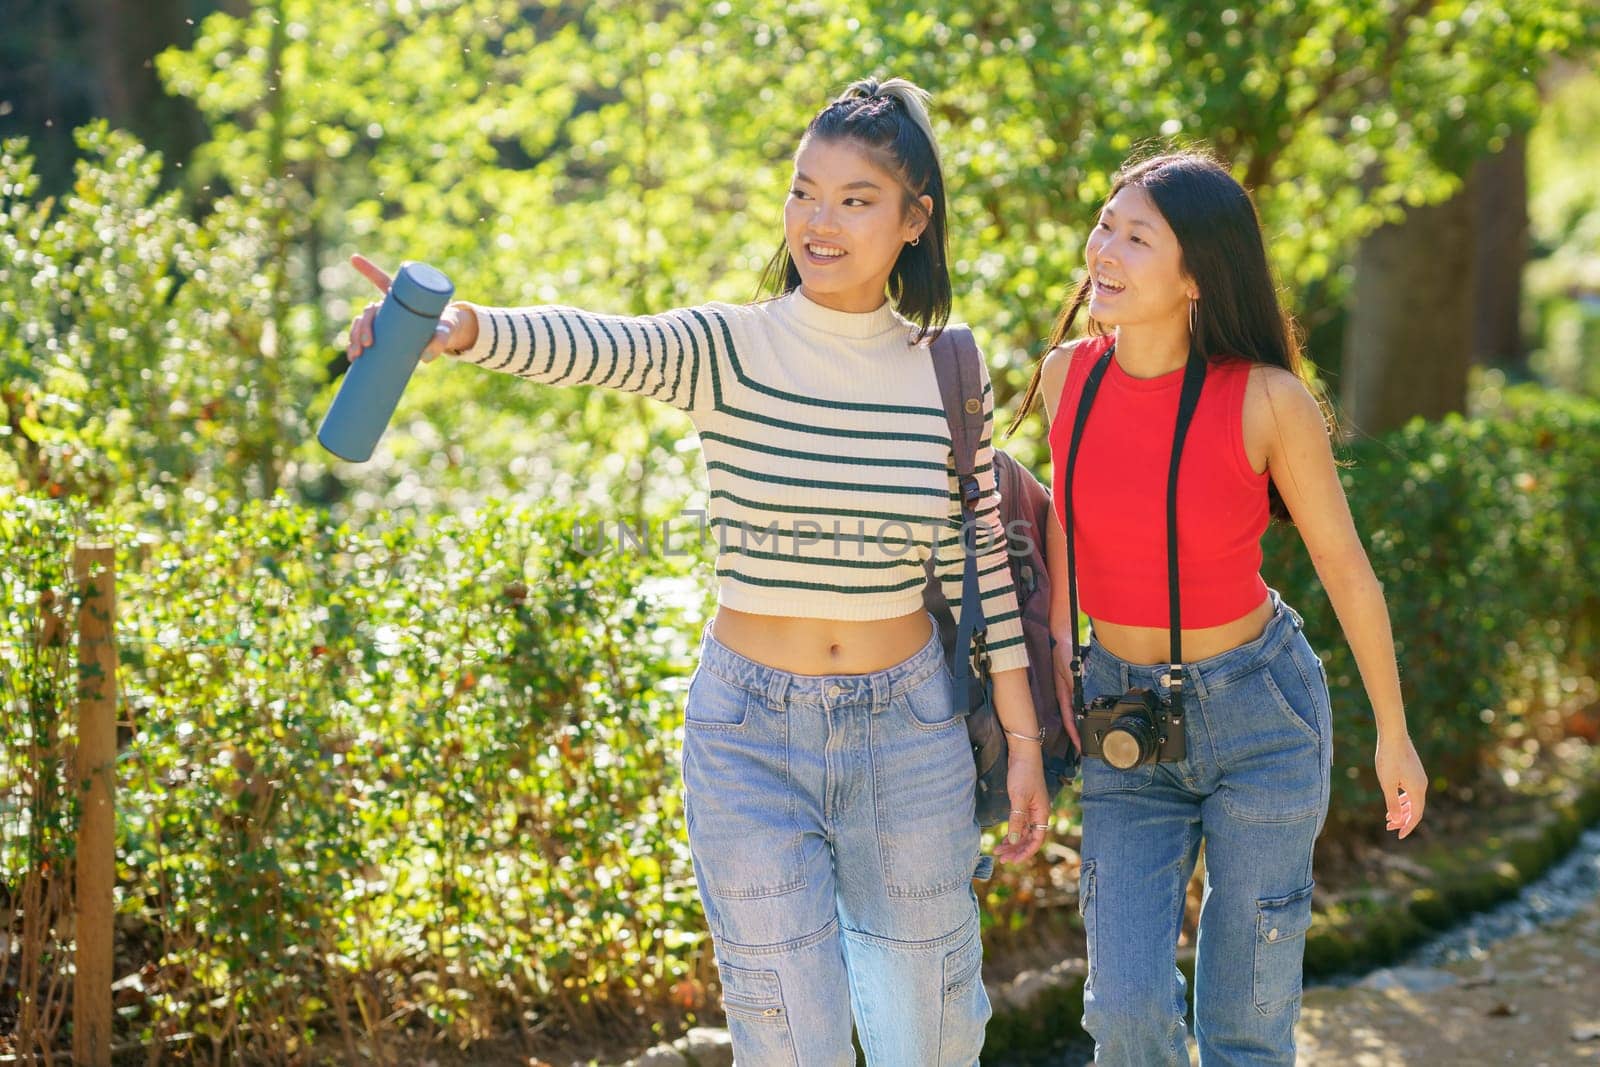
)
(421, 289)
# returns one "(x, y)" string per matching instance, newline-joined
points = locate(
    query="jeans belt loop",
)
(882, 686)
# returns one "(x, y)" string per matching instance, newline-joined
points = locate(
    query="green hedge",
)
(423, 775)
(1482, 533)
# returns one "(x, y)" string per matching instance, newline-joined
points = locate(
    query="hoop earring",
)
(916, 240)
(1194, 317)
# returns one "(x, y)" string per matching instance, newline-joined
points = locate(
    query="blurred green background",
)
(1426, 173)
(400, 758)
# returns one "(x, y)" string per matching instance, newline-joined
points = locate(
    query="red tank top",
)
(1120, 495)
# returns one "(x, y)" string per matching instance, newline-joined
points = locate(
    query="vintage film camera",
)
(1131, 730)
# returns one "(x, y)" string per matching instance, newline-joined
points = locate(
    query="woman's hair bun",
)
(913, 98)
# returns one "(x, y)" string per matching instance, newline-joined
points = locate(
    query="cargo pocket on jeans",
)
(753, 1002)
(1281, 926)
(1086, 913)
(751, 994)
(965, 1008)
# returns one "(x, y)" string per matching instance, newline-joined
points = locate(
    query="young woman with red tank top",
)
(1177, 269)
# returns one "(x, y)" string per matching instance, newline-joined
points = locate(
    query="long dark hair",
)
(1222, 249)
(889, 121)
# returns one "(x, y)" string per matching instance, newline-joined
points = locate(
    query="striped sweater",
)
(825, 443)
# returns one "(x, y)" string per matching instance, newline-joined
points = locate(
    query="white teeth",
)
(1107, 283)
(825, 251)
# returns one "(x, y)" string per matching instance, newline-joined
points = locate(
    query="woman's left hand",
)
(1403, 781)
(1030, 804)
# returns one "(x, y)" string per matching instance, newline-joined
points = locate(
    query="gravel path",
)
(1532, 999)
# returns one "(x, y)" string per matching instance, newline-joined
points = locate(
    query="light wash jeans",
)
(1254, 788)
(832, 831)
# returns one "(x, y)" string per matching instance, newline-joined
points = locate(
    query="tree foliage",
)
(633, 157)
(133, 340)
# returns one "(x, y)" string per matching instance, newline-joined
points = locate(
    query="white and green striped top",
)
(825, 443)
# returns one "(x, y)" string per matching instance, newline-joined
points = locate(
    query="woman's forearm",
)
(1062, 620)
(1013, 702)
(1357, 598)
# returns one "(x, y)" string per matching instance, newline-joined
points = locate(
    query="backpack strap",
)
(958, 366)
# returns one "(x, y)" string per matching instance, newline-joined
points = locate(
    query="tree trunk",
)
(127, 36)
(1501, 251)
(1409, 339)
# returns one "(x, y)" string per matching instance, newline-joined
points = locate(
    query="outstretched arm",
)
(670, 357)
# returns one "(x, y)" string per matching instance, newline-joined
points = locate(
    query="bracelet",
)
(1037, 739)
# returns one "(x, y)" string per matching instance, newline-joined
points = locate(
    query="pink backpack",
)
(1025, 514)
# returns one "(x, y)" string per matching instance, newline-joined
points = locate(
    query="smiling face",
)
(1136, 264)
(845, 222)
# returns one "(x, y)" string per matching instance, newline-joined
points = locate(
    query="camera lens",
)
(1130, 741)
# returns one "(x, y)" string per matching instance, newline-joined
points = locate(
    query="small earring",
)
(1194, 317)
(915, 240)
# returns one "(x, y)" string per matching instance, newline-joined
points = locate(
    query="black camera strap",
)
(1194, 373)
(1091, 386)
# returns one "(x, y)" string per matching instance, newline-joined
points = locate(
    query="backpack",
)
(1025, 515)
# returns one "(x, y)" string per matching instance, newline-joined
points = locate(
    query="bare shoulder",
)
(1053, 374)
(1276, 394)
(1281, 418)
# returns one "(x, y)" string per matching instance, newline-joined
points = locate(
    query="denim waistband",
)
(1213, 671)
(781, 687)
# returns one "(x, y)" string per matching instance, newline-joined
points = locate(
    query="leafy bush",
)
(39, 807)
(1481, 531)
(423, 775)
(136, 356)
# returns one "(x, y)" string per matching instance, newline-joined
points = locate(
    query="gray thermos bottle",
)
(372, 386)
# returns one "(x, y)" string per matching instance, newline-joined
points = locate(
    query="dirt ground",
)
(1534, 1000)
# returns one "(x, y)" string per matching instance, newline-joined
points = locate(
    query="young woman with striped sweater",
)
(828, 780)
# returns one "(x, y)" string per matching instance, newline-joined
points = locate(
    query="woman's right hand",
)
(456, 331)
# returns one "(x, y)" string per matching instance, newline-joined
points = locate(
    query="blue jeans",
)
(1254, 788)
(832, 832)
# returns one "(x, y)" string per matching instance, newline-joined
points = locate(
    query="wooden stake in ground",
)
(94, 571)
